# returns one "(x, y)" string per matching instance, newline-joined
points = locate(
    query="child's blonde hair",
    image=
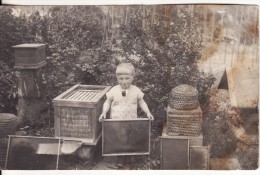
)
(125, 69)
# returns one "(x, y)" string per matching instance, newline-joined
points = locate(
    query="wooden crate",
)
(126, 137)
(76, 113)
(29, 56)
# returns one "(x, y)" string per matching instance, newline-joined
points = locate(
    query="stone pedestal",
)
(29, 59)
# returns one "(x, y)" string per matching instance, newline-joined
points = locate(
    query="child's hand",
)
(150, 116)
(102, 116)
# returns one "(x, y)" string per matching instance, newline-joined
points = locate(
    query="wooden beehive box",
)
(76, 113)
(29, 56)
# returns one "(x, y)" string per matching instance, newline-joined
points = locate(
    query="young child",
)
(124, 98)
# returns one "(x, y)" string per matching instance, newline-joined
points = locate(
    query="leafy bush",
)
(69, 31)
(164, 55)
(8, 89)
(12, 30)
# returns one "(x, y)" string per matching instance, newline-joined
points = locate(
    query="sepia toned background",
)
(214, 48)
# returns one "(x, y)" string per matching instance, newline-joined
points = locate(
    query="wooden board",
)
(26, 153)
(126, 137)
(199, 157)
(81, 96)
(243, 85)
(174, 153)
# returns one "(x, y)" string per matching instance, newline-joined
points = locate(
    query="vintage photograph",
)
(129, 87)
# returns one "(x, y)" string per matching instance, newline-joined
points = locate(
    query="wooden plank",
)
(7, 154)
(89, 90)
(94, 122)
(86, 97)
(127, 154)
(69, 103)
(243, 84)
(174, 154)
(57, 121)
(77, 94)
(98, 126)
(81, 95)
(102, 93)
(96, 97)
(91, 97)
(69, 95)
(85, 141)
(231, 86)
(92, 87)
(199, 157)
(61, 96)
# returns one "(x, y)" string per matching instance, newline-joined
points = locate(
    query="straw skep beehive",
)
(184, 115)
(8, 124)
(184, 97)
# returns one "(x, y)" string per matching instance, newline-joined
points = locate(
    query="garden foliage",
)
(84, 47)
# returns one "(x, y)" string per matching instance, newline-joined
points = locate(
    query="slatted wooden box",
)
(29, 56)
(76, 113)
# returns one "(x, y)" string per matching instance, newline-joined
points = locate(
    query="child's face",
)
(125, 80)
